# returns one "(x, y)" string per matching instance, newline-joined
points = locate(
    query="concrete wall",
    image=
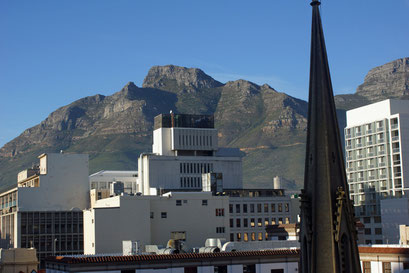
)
(64, 186)
(197, 221)
(119, 218)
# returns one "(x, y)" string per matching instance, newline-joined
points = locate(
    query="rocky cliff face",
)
(390, 80)
(268, 126)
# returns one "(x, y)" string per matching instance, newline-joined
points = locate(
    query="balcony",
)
(369, 143)
(361, 179)
(371, 178)
(382, 176)
(381, 164)
(394, 126)
(358, 145)
(380, 129)
(397, 174)
(381, 152)
(349, 147)
(348, 136)
(371, 166)
(358, 134)
(370, 154)
(361, 190)
(369, 131)
(383, 188)
(397, 162)
(381, 140)
(360, 156)
(349, 157)
(360, 167)
(395, 150)
(350, 169)
(395, 138)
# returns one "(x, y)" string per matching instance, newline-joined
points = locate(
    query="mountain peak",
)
(389, 80)
(190, 78)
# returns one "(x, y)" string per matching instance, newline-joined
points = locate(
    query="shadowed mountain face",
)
(268, 126)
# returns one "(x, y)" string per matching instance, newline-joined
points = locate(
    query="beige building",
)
(192, 217)
(18, 260)
(44, 210)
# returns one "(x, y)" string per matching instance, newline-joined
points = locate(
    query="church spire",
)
(328, 233)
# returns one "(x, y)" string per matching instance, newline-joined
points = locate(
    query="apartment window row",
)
(257, 222)
(8, 200)
(368, 128)
(248, 236)
(46, 243)
(190, 182)
(195, 140)
(196, 168)
(259, 208)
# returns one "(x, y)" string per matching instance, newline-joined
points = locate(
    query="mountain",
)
(268, 126)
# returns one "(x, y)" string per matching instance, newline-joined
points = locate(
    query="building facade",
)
(377, 151)
(185, 147)
(191, 217)
(44, 211)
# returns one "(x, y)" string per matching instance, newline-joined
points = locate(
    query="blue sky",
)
(54, 52)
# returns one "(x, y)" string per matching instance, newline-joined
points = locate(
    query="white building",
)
(44, 211)
(154, 220)
(185, 147)
(103, 180)
(377, 151)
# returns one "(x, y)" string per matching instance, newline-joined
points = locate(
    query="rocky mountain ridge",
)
(268, 126)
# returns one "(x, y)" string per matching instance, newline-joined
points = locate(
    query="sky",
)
(55, 52)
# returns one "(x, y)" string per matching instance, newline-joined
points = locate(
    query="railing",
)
(383, 188)
(370, 154)
(348, 136)
(379, 129)
(370, 166)
(359, 145)
(397, 174)
(381, 164)
(350, 169)
(349, 157)
(371, 178)
(358, 134)
(360, 167)
(395, 138)
(360, 156)
(397, 162)
(381, 152)
(381, 140)
(394, 126)
(395, 150)
(349, 147)
(361, 190)
(382, 176)
(361, 179)
(369, 131)
(369, 143)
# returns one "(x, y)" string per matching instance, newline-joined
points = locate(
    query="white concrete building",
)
(44, 211)
(185, 147)
(103, 180)
(154, 220)
(377, 159)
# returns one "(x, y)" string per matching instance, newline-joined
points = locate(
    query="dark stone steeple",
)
(328, 233)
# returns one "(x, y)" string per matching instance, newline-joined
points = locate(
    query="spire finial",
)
(315, 2)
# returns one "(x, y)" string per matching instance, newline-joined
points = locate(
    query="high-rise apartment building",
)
(377, 163)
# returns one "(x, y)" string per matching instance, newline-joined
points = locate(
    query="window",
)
(367, 220)
(253, 236)
(219, 212)
(286, 207)
(238, 222)
(266, 222)
(273, 207)
(260, 236)
(163, 215)
(287, 220)
(378, 231)
(252, 222)
(377, 219)
(265, 207)
(244, 208)
(178, 202)
(259, 208)
(231, 222)
(237, 208)
(245, 222)
(280, 207)
(259, 222)
(367, 231)
(204, 202)
(238, 237)
(231, 237)
(230, 208)
(386, 267)
(366, 266)
(152, 215)
(251, 208)
(220, 229)
(245, 237)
